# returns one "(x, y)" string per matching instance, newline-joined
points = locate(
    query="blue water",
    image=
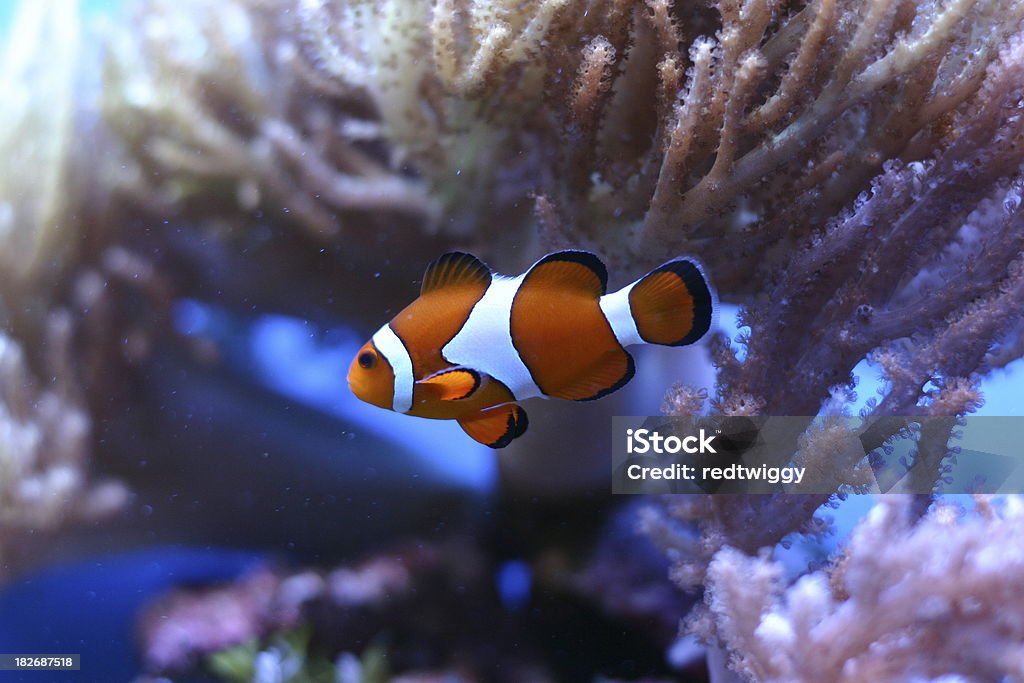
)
(290, 360)
(90, 607)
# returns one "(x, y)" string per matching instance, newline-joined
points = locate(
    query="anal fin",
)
(496, 427)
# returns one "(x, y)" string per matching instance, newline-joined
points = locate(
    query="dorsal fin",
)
(578, 270)
(454, 269)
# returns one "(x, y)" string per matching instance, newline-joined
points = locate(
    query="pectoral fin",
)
(453, 384)
(496, 427)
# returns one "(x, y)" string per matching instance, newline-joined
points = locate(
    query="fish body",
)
(475, 343)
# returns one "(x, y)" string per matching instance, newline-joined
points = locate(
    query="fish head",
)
(371, 378)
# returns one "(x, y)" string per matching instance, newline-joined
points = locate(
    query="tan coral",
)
(208, 103)
(36, 136)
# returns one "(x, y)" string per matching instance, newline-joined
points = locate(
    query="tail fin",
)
(673, 304)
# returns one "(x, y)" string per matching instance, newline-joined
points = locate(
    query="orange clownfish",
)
(475, 343)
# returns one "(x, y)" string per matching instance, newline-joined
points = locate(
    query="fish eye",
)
(367, 359)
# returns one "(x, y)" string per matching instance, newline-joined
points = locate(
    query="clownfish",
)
(475, 343)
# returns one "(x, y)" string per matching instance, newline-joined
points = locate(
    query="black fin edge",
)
(623, 381)
(522, 423)
(704, 302)
(516, 427)
(584, 258)
(454, 257)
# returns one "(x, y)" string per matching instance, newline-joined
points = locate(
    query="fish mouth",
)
(355, 386)
(352, 379)
(362, 391)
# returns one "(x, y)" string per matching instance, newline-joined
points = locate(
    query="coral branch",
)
(899, 604)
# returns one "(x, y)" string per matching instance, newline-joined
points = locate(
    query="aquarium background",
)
(255, 521)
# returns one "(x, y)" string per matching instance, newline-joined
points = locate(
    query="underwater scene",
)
(513, 341)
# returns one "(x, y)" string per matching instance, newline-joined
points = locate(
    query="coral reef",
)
(210, 104)
(875, 282)
(904, 601)
(179, 630)
(360, 617)
(651, 128)
(848, 170)
(414, 612)
(47, 347)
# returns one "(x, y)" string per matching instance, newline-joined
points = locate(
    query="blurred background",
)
(187, 488)
(178, 419)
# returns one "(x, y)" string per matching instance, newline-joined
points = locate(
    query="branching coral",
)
(903, 602)
(877, 276)
(664, 128)
(457, 118)
(209, 103)
(760, 150)
(922, 274)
